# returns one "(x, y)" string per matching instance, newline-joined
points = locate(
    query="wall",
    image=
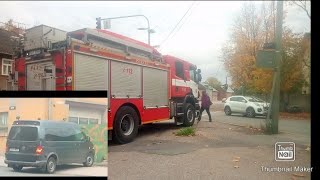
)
(99, 137)
(34, 108)
(301, 100)
(3, 79)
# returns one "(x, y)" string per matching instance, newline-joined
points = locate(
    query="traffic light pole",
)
(120, 17)
(275, 100)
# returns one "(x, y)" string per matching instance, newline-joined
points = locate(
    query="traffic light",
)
(225, 87)
(98, 23)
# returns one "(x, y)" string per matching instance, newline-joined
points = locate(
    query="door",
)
(242, 104)
(83, 146)
(233, 102)
(90, 72)
(57, 141)
(40, 76)
(22, 143)
(48, 81)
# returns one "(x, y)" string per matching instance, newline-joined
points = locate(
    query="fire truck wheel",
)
(189, 115)
(125, 125)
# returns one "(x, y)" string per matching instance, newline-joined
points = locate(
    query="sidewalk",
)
(102, 164)
(2, 161)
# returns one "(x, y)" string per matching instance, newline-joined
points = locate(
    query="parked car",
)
(249, 106)
(46, 144)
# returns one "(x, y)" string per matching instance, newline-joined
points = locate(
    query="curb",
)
(103, 163)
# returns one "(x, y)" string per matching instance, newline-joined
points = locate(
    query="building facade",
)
(6, 57)
(87, 112)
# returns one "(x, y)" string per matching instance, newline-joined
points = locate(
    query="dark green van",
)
(46, 144)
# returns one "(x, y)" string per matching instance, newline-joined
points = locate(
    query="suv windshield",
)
(253, 99)
(23, 133)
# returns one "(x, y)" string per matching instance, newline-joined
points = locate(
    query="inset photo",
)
(53, 137)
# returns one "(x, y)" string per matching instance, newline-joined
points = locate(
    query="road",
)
(63, 170)
(299, 128)
(218, 151)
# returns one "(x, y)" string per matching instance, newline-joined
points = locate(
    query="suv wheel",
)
(250, 112)
(227, 111)
(51, 165)
(89, 160)
(17, 168)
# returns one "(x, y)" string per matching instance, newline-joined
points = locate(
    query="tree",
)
(213, 82)
(253, 28)
(10, 26)
(304, 5)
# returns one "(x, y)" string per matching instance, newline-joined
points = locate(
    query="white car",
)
(249, 106)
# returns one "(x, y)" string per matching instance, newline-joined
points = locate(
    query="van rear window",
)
(23, 133)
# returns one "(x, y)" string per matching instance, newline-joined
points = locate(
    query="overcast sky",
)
(198, 38)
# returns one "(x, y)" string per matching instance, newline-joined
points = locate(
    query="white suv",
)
(249, 106)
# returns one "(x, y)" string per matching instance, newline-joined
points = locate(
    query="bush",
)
(188, 131)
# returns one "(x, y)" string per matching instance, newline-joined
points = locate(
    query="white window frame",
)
(7, 65)
(4, 132)
(88, 122)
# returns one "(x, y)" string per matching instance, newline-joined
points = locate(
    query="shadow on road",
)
(155, 129)
(59, 168)
(241, 115)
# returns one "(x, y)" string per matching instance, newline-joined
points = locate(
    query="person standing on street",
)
(205, 105)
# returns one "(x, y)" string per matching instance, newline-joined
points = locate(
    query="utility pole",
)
(278, 41)
(275, 98)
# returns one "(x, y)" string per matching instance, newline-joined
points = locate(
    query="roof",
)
(116, 38)
(6, 45)
(170, 57)
(201, 87)
(42, 25)
(44, 123)
(229, 90)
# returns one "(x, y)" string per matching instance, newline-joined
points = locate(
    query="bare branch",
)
(303, 6)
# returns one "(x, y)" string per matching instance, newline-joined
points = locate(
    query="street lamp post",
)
(139, 15)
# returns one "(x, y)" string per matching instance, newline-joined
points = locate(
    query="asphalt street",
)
(63, 170)
(230, 147)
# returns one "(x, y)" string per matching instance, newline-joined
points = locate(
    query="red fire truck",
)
(142, 85)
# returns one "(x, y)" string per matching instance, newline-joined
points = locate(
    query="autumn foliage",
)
(252, 28)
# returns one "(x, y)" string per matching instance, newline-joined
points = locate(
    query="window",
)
(3, 123)
(6, 66)
(233, 99)
(192, 75)
(93, 121)
(61, 134)
(179, 70)
(83, 120)
(23, 133)
(74, 120)
(240, 99)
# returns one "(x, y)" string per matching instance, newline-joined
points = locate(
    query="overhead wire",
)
(177, 24)
(184, 21)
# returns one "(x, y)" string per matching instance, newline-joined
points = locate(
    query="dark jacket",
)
(205, 100)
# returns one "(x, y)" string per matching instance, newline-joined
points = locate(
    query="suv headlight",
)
(257, 104)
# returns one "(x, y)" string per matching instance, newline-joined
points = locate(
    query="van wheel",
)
(125, 125)
(189, 115)
(51, 165)
(17, 168)
(89, 160)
